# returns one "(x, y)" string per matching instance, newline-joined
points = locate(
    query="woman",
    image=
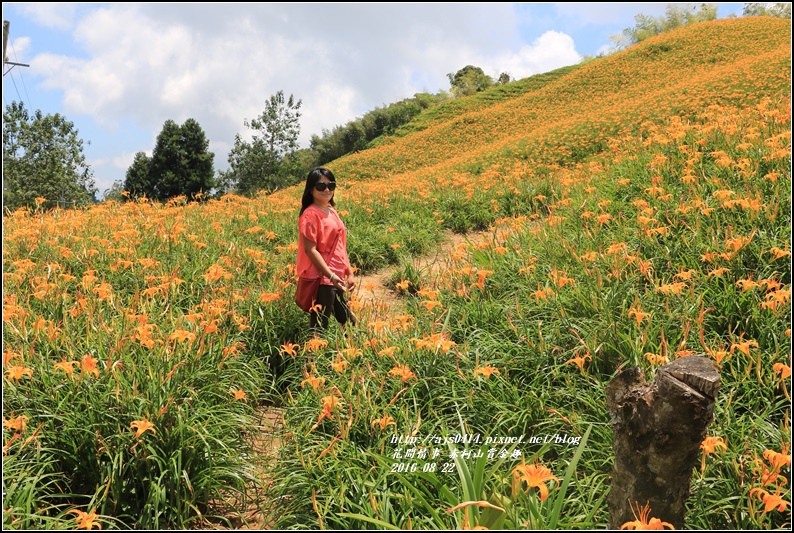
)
(322, 250)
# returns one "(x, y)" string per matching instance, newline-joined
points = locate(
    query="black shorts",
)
(332, 302)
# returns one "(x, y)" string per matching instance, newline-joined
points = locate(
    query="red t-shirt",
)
(328, 232)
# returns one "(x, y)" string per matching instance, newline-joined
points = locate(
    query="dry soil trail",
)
(372, 292)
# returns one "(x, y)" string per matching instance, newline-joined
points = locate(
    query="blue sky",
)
(119, 71)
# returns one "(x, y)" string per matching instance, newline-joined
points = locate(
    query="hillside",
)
(672, 73)
(633, 211)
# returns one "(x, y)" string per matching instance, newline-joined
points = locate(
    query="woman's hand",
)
(339, 283)
(351, 282)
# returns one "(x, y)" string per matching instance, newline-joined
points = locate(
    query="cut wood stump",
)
(658, 428)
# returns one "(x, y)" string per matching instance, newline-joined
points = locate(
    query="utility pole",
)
(6, 25)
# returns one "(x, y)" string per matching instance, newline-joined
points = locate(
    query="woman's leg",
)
(326, 297)
(342, 312)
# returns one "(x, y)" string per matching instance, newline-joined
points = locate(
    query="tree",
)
(376, 123)
(181, 164)
(676, 15)
(43, 158)
(265, 162)
(504, 78)
(137, 178)
(115, 192)
(779, 10)
(469, 80)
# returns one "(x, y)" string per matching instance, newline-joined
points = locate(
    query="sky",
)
(119, 71)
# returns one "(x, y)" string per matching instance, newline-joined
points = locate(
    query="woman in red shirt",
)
(322, 249)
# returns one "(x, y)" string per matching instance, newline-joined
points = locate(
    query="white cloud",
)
(140, 64)
(220, 64)
(55, 15)
(550, 51)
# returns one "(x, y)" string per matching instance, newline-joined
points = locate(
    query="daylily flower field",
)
(639, 211)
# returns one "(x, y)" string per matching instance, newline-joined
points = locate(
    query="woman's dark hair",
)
(313, 177)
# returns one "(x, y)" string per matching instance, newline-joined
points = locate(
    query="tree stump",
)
(658, 429)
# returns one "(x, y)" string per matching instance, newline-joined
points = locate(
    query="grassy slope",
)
(671, 73)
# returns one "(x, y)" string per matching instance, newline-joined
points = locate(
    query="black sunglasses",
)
(321, 186)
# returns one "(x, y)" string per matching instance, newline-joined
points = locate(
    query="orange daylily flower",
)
(674, 288)
(744, 346)
(18, 423)
(383, 422)
(182, 335)
(216, 272)
(434, 342)
(641, 522)
(560, 279)
(316, 344)
(603, 218)
(579, 361)
(746, 284)
(339, 365)
(777, 460)
(737, 243)
(638, 314)
(15, 373)
(388, 351)
(769, 477)
(486, 371)
(431, 304)
(402, 372)
(430, 294)
(8, 355)
(771, 501)
(66, 366)
(403, 285)
(481, 275)
(350, 353)
(783, 369)
(656, 359)
(328, 404)
(316, 382)
(89, 365)
(239, 394)
(289, 349)
(719, 355)
(534, 475)
(776, 299)
(718, 272)
(268, 297)
(542, 294)
(711, 445)
(85, 520)
(142, 426)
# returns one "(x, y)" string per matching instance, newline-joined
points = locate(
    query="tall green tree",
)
(676, 15)
(469, 80)
(267, 161)
(43, 158)
(181, 164)
(136, 181)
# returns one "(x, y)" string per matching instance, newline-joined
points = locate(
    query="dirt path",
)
(372, 292)
(373, 288)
